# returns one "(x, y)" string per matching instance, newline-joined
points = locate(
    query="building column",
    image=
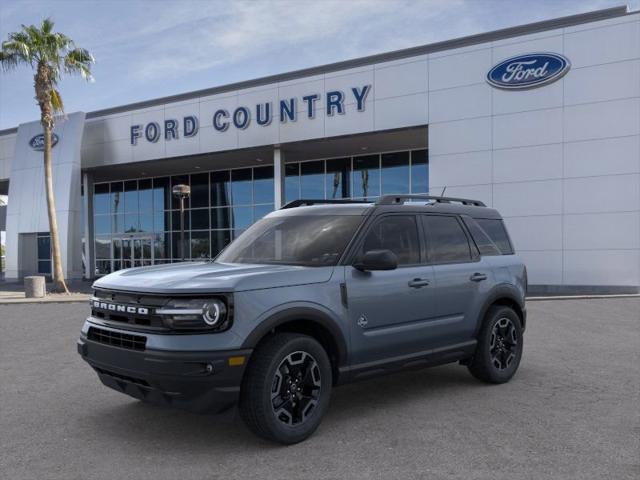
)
(278, 177)
(87, 222)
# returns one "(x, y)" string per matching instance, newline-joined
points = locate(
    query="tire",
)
(298, 371)
(500, 345)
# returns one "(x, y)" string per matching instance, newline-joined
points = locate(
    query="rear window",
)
(497, 233)
(481, 238)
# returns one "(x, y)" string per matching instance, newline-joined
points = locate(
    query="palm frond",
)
(56, 101)
(79, 61)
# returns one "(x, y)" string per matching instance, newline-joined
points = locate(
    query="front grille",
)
(134, 318)
(117, 339)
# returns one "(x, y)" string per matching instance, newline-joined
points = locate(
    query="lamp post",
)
(182, 192)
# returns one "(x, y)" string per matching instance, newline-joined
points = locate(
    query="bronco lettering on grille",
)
(113, 307)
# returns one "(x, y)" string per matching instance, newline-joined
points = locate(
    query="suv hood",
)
(208, 277)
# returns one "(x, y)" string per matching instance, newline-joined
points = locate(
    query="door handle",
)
(478, 277)
(418, 282)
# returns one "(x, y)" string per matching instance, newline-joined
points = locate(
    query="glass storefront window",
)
(395, 172)
(200, 190)
(220, 189)
(263, 185)
(241, 193)
(161, 194)
(292, 182)
(225, 203)
(420, 171)
(101, 199)
(200, 245)
(366, 177)
(312, 179)
(200, 219)
(337, 183)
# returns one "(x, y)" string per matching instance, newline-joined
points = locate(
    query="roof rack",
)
(308, 202)
(400, 199)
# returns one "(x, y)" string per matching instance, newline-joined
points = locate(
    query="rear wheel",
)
(499, 348)
(286, 389)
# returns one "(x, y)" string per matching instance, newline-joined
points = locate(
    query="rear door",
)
(389, 311)
(462, 277)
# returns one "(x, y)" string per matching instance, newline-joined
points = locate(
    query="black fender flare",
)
(309, 314)
(500, 292)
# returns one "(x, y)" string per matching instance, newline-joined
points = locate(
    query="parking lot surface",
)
(572, 411)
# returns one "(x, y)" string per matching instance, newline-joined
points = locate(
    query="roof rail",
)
(400, 199)
(307, 202)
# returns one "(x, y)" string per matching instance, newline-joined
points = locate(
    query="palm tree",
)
(50, 55)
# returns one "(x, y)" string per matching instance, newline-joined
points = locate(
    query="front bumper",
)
(195, 381)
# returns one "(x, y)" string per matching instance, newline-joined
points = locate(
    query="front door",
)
(390, 311)
(132, 251)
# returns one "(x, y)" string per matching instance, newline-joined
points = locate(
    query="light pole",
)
(182, 192)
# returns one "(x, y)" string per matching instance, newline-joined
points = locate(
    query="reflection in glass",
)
(395, 172)
(131, 223)
(200, 219)
(102, 224)
(220, 189)
(292, 182)
(161, 221)
(312, 180)
(199, 245)
(219, 240)
(175, 220)
(117, 198)
(146, 222)
(220, 218)
(145, 195)
(101, 198)
(366, 177)
(420, 171)
(161, 245)
(260, 211)
(200, 190)
(161, 194)
(44, 247)
(103, 247)
(242, 217)
(263, 185)
(117, 248)
(337, 179)
(241, 186)
(131, 203)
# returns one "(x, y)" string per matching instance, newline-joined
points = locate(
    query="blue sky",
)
(149, 49)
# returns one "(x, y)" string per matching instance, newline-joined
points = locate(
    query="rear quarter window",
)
(497, 232)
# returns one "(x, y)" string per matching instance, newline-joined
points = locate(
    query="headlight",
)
(199, 314)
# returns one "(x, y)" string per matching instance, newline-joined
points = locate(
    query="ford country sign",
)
(37, 142)
(528, 71)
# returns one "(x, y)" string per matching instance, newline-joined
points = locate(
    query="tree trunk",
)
(59, 284)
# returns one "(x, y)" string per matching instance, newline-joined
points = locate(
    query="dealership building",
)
(541, 121)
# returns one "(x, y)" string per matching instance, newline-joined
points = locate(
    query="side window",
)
(447, 242)
(496, 231)
(484, 243)
(397, 233)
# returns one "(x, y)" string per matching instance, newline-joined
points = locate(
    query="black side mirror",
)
(377, 260)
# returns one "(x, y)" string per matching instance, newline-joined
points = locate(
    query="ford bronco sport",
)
(316, 294)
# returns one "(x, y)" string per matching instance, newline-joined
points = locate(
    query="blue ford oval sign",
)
(37, 142)
(528, 71)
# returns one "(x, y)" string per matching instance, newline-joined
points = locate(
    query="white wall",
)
(561, 162)
(7, 151)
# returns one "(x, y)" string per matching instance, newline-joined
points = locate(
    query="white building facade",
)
(540, 121)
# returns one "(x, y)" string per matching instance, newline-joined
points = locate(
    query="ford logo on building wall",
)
(37, 142)
(528, 71)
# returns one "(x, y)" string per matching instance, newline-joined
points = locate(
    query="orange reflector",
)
(236, 361)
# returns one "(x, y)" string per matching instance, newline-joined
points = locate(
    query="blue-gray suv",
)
(316, 294)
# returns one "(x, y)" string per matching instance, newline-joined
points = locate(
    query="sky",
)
(150, 49)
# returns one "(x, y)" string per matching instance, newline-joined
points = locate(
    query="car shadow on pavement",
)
(157, 427)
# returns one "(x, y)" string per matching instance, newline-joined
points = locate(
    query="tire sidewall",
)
(500, 376)
(296, 433)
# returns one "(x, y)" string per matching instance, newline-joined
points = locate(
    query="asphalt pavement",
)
(571, 412)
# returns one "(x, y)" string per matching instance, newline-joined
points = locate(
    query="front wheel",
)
(286, 389)
(499, 347)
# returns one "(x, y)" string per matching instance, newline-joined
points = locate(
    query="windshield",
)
(313, 240)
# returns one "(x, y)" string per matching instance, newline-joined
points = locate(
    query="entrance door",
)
(132, 251)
